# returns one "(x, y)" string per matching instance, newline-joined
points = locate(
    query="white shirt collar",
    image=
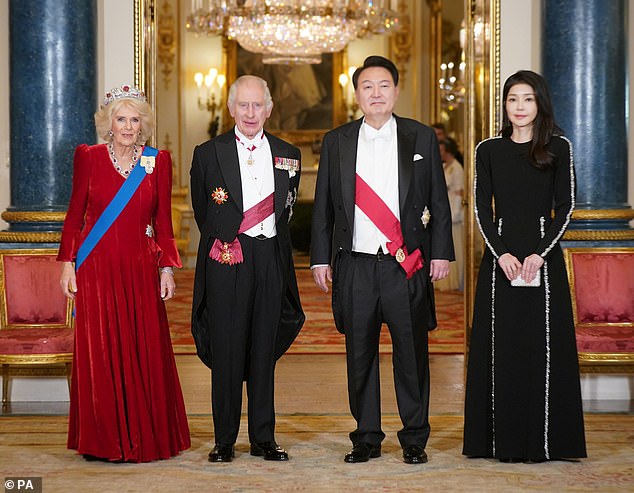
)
(387, 131)
(245, 140)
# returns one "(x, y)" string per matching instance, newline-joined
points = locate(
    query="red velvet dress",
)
(126, 402)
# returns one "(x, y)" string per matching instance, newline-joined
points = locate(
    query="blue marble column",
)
(584, 60)
(52, 93)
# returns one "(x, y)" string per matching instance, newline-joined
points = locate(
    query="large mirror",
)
(450, 69)
(466, 61)
(435, 34)
(482, 21)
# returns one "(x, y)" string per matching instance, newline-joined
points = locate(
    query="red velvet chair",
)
(36, 323)
(602, 289)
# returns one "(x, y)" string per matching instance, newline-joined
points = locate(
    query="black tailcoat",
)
(215, 165)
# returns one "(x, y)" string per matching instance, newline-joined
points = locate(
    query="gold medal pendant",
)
(400, 256)
(226, 256)
(250, 159)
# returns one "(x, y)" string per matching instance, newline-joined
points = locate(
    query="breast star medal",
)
(426, 217)
(219, 195)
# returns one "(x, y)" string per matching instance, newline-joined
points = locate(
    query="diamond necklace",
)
(115, 162)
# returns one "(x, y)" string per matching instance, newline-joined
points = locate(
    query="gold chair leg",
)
(5, 385)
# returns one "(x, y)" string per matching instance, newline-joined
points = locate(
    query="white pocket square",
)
(417, 157)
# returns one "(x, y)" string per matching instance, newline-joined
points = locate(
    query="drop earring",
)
(110, 133)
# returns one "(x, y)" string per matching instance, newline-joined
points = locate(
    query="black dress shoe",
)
(414, 454)
(511, 460)
(94, 458)
(362, 452)
(222, 453)
(269, 450)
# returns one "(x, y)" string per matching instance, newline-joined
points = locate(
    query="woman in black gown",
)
(523, 398)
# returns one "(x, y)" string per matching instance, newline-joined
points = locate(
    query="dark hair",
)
(376, 61)
(544, 126)
(450, 146)
(440, 126)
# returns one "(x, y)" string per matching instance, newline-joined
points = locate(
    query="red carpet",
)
(319, 334)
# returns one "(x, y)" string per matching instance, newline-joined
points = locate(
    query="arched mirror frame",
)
(482, 100)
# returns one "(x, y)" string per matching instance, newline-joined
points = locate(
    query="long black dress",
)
(523, 397)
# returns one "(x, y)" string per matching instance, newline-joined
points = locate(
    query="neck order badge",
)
(250, 148)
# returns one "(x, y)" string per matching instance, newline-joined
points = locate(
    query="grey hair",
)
(231, 98)
(105, 114)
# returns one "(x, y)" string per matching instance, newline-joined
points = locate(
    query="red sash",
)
(231, 253)
(383, 218)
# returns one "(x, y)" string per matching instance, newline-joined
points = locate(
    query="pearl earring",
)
(110, 133)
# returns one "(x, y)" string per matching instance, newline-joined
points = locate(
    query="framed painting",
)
(307, 98)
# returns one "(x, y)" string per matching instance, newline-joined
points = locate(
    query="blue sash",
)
(114, 208)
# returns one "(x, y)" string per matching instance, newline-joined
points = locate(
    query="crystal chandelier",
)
(451, 83)
(292, 31)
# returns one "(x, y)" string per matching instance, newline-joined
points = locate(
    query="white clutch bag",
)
(521, 283)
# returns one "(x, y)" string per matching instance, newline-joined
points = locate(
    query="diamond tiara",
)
(125, 91)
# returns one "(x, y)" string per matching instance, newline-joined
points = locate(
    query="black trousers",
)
(372, 290)
(244, 304)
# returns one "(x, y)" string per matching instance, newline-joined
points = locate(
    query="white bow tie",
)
(384, 133)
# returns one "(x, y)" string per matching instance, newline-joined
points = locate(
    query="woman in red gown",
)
(126, 403)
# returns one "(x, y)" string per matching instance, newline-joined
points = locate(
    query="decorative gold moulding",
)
(598, 235)
(33, 217)
(35, 359)
(627, 214)
(167, 36)
(607, 358)
(401, 41)
(29, 237)
(606, 363)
